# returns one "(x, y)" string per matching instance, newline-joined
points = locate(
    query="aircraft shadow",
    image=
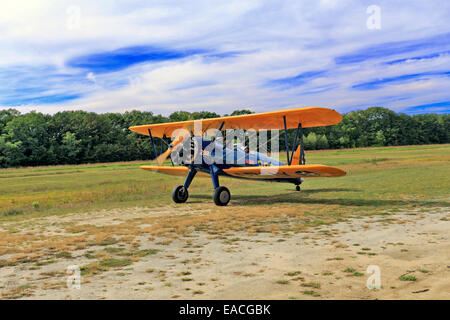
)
(303, 198)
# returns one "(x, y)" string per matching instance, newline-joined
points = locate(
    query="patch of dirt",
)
(410, 248)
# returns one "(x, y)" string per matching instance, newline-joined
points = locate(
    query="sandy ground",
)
(329, 262)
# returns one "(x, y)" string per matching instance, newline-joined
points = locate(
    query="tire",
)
(180, 194)
(297, 187)
(221, 196)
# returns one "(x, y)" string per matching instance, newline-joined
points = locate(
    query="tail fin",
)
(296, 157)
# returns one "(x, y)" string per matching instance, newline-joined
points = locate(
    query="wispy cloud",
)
(378, 83)
(298, 80)
(419, 58)
(125, 57)
(39, 85)
(439, 107)
(388, 49)
(221, 55)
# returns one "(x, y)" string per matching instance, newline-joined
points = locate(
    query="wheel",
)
(180, 194)
(297, 188)
(221, 196)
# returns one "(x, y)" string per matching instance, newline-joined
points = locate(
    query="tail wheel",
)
(180, 194)
(221, 196)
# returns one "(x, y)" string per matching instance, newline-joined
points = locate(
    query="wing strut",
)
(290, 156)
(219, 130)
(295, 142)
(153, 142)
(286, 140)
(301, 159)
(168, 146)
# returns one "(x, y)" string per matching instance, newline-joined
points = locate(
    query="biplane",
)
(194, 150)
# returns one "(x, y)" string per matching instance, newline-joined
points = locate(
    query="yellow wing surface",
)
(265, 173)
(172, 171)
(308, 117)
(279, 172)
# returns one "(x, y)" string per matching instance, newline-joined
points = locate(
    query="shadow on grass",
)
(312, 191)
(302, 197)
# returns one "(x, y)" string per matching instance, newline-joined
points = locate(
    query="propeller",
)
(163, 156)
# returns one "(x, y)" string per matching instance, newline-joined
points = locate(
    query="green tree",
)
(322, 142)
(241, 112)
(310, 141)
(179, 116)
(31, 131)
(11, 154)
(81, 137)
(6, 116)
(70, 148)
(379, 138)
(203, 115)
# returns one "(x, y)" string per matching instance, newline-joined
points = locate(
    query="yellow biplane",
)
(198, 146)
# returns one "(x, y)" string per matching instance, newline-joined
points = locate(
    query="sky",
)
(164, 56)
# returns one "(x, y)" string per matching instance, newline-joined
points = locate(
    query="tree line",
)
(75, 137)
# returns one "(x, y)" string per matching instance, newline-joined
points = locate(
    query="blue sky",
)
(165, 55)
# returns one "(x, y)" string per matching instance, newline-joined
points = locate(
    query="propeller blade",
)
(163, 156)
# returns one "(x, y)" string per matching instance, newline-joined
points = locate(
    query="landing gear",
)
(297, 183)
(180, 194)
(221, 196)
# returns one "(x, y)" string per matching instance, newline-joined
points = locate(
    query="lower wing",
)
(280, 172)
(266, 173)
(173, 171)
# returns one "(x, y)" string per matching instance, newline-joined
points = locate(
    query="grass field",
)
(377, 179)
(115, 218)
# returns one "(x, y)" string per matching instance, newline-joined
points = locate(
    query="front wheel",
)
(221, 196)
(180, 194)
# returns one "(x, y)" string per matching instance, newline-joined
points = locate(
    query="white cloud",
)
(278, 39)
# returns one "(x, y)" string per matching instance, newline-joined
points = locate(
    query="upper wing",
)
(308, 117)
(279, 172)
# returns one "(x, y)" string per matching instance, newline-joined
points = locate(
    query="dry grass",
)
(43, 190)
(18, 292)
(379, 181)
